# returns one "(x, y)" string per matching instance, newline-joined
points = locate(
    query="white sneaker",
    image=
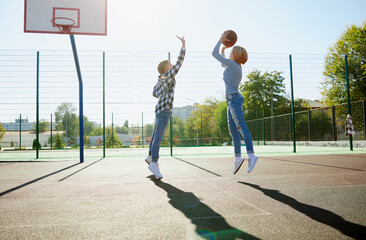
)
(148, 160)
(251, 164)
(237, 165)
(154, 168)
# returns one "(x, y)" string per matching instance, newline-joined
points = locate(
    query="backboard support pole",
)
(81, 115)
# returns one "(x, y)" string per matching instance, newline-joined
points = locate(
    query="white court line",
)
(165, 220)
(232, 195)
(341, 186)
(237, 198)
(231, 216)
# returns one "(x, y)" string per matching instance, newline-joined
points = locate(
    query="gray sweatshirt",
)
(232, 73)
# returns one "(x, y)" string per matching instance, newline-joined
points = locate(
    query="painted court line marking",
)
(231, 216)
(166, 219)
(341, 186)
(232, 195)
(237, 198)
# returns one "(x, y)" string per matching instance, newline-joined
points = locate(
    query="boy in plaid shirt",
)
(164, 90)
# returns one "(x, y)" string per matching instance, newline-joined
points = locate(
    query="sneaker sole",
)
(255, 162)
(239, 166)
(158, 178)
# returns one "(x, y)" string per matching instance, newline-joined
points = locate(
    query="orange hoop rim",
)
(64, 28)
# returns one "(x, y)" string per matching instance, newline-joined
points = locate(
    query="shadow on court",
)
(194, 165)
(36, 180)
(209, 224)
(329, 218)
(48, 175)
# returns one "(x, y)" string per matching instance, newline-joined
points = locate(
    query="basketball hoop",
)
(64, 24)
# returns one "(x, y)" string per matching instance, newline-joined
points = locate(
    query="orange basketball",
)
(232, 37)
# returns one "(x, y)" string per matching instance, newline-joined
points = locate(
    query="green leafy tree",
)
(353, 44)
(148, 130)
(320, 127)
(67, 120)
(88, 126)
(2, 131)
(221, 122)
(263, 92)
(43, 126)
(123, 129)
(178, 126)
(112, 139)
(34, 145)
(189, 130)
(58, 143)
(97, 131)
(194, 128)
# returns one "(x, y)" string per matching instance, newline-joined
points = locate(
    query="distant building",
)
(26, 125)
(183, 112)
(315, 104)
(15, 126)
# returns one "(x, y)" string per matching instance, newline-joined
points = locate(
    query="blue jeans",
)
(235, 118)
(161, 123)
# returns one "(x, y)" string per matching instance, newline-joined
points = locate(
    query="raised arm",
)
(174, 70)
(223, 54)
(221, 58)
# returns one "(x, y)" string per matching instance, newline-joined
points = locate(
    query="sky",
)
(142, 32)
(281, 26)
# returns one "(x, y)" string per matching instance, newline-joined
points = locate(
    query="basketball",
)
(232, 37)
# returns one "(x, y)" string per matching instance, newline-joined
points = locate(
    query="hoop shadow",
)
(324, 216)
(209, 224)
(36, 180)
(204, 169)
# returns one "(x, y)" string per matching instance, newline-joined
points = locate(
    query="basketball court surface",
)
(287, 196)
(317, 193)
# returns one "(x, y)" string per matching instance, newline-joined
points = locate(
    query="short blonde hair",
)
(240, 54)
(161, 66)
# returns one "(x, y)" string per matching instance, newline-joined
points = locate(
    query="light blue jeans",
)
(237, 126)
(161, 123)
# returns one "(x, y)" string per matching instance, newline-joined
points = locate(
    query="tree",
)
(2, 131)
(88, 126)
(194, 129)
(34, 145)
(321, 126)
(97, 131)
(112, 139)
(67, 120)
(58, 142)
(148, 130)
(221, 120)
(123, 129)
(43, 126)
(263, 92)
(353, 44)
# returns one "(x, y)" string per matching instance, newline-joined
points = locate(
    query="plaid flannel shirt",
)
(349, 127)
(164, 88)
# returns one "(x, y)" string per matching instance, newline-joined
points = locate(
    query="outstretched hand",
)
(183, 41)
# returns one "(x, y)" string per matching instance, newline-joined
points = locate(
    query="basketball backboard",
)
(87, 17)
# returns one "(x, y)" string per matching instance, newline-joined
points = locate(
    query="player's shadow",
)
(321, 215)
(209, 224)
